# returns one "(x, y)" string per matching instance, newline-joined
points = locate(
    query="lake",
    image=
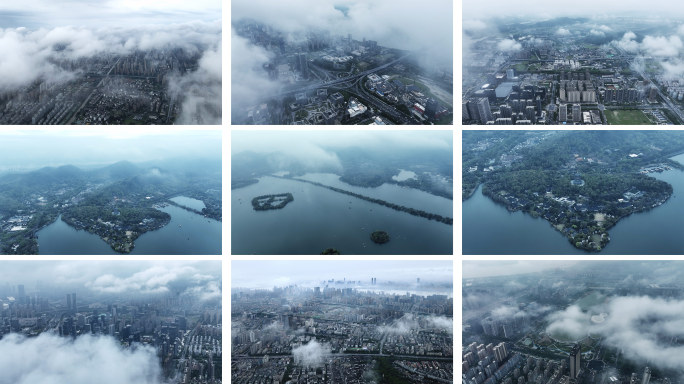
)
(186, 234)
(319, 218)
(488, 228)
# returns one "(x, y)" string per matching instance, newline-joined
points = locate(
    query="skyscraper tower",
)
(575, 357)
(73, 302)
(68, 302)
(484, 110)
(647, 376)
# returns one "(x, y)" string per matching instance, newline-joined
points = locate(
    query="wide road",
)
(334, 355)
(339, 81)
(73, 117)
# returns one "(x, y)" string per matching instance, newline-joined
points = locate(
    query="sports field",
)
(626, 117)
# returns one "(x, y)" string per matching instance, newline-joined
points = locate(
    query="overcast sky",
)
(100, 13)
(30, 149)
(542, 9)
(317, 149)
(472, 269)
(260, 274)
(117, 277)
(295, 141)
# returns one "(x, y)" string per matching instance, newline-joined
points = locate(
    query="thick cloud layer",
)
(311, 355)
(48, 54)
(200, 279)
(157, 279)
(111, 13)
(201, 90)
(84, 360)
(642, 327)
(248, 79)
(43, 54)
(425, 27)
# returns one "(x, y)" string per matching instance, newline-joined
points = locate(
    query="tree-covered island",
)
(277, 201)
(581, 182)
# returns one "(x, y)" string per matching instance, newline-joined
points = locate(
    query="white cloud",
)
(157, 279)
(509, 45)
(661, 46)
(311, 355)
(640, 326)
(86, 359)
(628, 42)
(43, 54)
(563, 32)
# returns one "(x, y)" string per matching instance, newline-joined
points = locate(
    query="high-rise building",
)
(68, 301)
(563, 113)
(73, 301)
(576, 113)
(575, 360)
(647, 376)
(473, 111)
(500, 352)
(484, 110)
(510, 73)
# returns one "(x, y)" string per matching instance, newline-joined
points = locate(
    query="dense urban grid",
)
(573, 70)
(178, 333)
(324, 78)
(342, 332)
(112, 89)
(593, 322)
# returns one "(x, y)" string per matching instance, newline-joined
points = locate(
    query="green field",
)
(627, 117)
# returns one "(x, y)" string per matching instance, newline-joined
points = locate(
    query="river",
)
(489, 228)
(319, 218)
(186, 234)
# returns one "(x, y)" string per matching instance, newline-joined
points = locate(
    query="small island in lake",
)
(266, 202)
(380, 237)
(330, 251)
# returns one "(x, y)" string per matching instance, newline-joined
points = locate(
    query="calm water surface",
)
(319, 218)
(186, 234)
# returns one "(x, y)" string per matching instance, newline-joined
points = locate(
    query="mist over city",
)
(110, 322)
(347, 62)
(385, 319)
(112, 62)
(606, 63)
(589, 321)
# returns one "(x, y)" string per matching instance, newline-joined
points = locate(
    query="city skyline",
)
(135, 322)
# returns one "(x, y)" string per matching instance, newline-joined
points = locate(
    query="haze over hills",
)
(115, 187)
